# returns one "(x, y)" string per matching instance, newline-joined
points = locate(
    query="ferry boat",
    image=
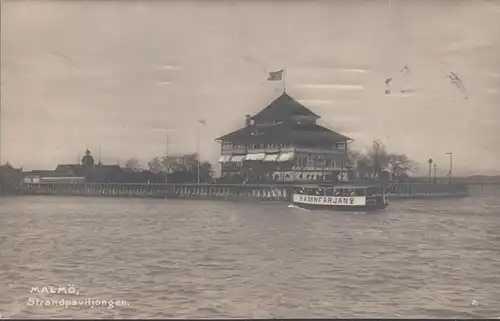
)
(341, 198)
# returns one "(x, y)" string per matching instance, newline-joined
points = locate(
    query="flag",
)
(202, 121)
(276, 75)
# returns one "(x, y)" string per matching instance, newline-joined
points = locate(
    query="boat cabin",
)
(341, 196)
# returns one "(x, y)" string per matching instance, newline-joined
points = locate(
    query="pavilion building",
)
(283, 142)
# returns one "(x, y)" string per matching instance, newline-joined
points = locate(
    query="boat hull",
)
(342, 208)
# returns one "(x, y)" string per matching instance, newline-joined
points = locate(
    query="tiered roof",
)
(283, 108)
(277, 123)
(278, 133)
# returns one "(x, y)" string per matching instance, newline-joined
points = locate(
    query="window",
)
(320, 161)
(309, 161)
(337, 162)
(329, 162)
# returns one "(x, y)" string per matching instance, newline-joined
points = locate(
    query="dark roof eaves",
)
(263, 113)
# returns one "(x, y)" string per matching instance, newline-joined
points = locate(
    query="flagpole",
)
(284, 81)
(198, 152)
(199, 123)
(1, 127)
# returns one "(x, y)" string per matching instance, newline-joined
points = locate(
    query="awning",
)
(224, 158)
(271, 157)
(237, 158)
(255, 157)
(286, 157)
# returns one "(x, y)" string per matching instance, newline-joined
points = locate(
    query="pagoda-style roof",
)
(284, 120)
(281, 109)
(283, 132)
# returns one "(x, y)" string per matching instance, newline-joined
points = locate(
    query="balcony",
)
(242, 150)
(230, 151)
(318, 150)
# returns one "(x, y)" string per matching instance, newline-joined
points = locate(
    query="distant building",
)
(10, 179)
(100, 173)
(88, 160)
(47, 176)
(283, 142)
(70, 170)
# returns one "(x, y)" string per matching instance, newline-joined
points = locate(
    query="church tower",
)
(88, 160)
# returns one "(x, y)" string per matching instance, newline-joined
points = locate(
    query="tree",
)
(132, 163)
(353, 157)
(400, 164)
(190, 160)
(182, 168)
(360, 162)
(206, 171)
(378, 157)
(156, 165)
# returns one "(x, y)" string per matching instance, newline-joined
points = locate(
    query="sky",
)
(120, 74)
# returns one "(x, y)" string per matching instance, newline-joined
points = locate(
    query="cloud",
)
(333, 86)
(169, 67)
(334, 70)
(315, 102)
(348, 70)
(327, 102)
(164, 83)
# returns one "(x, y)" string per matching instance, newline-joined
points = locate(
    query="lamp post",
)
(200, 122)
(167, 138)
(451, 165)
(435, 177)
(167, 142)
(430, 167)
(1, 127)
(198, 154)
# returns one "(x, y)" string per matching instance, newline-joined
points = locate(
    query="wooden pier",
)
(179, 191)
(223, 192)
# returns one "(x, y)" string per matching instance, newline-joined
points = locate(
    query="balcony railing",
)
(228, 150)
(316, 169)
